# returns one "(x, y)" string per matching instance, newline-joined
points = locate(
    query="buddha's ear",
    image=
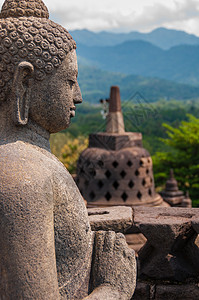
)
(21, 91)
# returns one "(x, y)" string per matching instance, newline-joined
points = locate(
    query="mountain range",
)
(180, 63)
(163, 63)
(160, 37)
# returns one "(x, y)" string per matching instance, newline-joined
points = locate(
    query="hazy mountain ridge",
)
(160, 37)
(180, 63)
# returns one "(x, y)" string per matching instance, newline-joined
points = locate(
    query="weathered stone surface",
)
(178, 292)
(46, 240)
(170, 252)
(142, 291)
(159, 215)
(135, 241)
(115, 141)
(117, 218)
(156, 291)
(25, 8)
(110, 264)
(195, 223)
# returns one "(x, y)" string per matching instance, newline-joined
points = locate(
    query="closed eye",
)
(71, 83)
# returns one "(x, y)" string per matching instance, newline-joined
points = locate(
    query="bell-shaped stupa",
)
(115, 169)
(173, 196)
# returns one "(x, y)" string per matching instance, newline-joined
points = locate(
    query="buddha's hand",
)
(113, 265)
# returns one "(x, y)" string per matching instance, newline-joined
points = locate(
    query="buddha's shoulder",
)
(24, 156)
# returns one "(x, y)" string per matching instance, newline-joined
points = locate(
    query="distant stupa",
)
(173, 196)
(115, 169)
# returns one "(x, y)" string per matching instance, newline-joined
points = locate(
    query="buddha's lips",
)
(72, 111)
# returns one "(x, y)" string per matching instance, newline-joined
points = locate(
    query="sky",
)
(126, 15)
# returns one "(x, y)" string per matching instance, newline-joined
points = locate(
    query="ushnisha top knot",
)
(24, 8)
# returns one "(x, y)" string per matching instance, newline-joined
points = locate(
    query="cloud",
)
(94, 20)
(160, 15)
(126, 15)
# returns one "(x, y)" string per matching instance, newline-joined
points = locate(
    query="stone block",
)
(177, 292)
(170, 252)
(195, 224)
(117, 219)
(114, 141)
(142, 291)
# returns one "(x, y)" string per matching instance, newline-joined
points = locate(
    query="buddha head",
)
(38, 66)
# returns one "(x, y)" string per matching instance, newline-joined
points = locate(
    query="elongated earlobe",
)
(21, 91)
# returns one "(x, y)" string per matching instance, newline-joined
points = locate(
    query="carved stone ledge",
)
(170, 252)
(117, 219)
(146, 291)
(168, 264)
(195, 223)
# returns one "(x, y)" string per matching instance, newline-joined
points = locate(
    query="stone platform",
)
(168, 263)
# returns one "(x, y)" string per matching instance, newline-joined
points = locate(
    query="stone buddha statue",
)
(47, 248)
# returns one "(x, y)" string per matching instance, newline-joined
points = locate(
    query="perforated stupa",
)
(116, 169)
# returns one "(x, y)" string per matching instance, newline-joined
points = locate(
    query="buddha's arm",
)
(113, 273)
(113, 267)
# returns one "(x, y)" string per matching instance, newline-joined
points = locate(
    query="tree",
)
(68, 148)
(183, 157)
(71, 152)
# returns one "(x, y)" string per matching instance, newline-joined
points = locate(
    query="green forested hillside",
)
(95, 84)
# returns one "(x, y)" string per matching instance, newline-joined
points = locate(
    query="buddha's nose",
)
(77, 96)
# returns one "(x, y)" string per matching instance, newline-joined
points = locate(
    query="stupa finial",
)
(171, 174)
(115, 101)
(187, 195)
(115, 122)
(24, 8)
